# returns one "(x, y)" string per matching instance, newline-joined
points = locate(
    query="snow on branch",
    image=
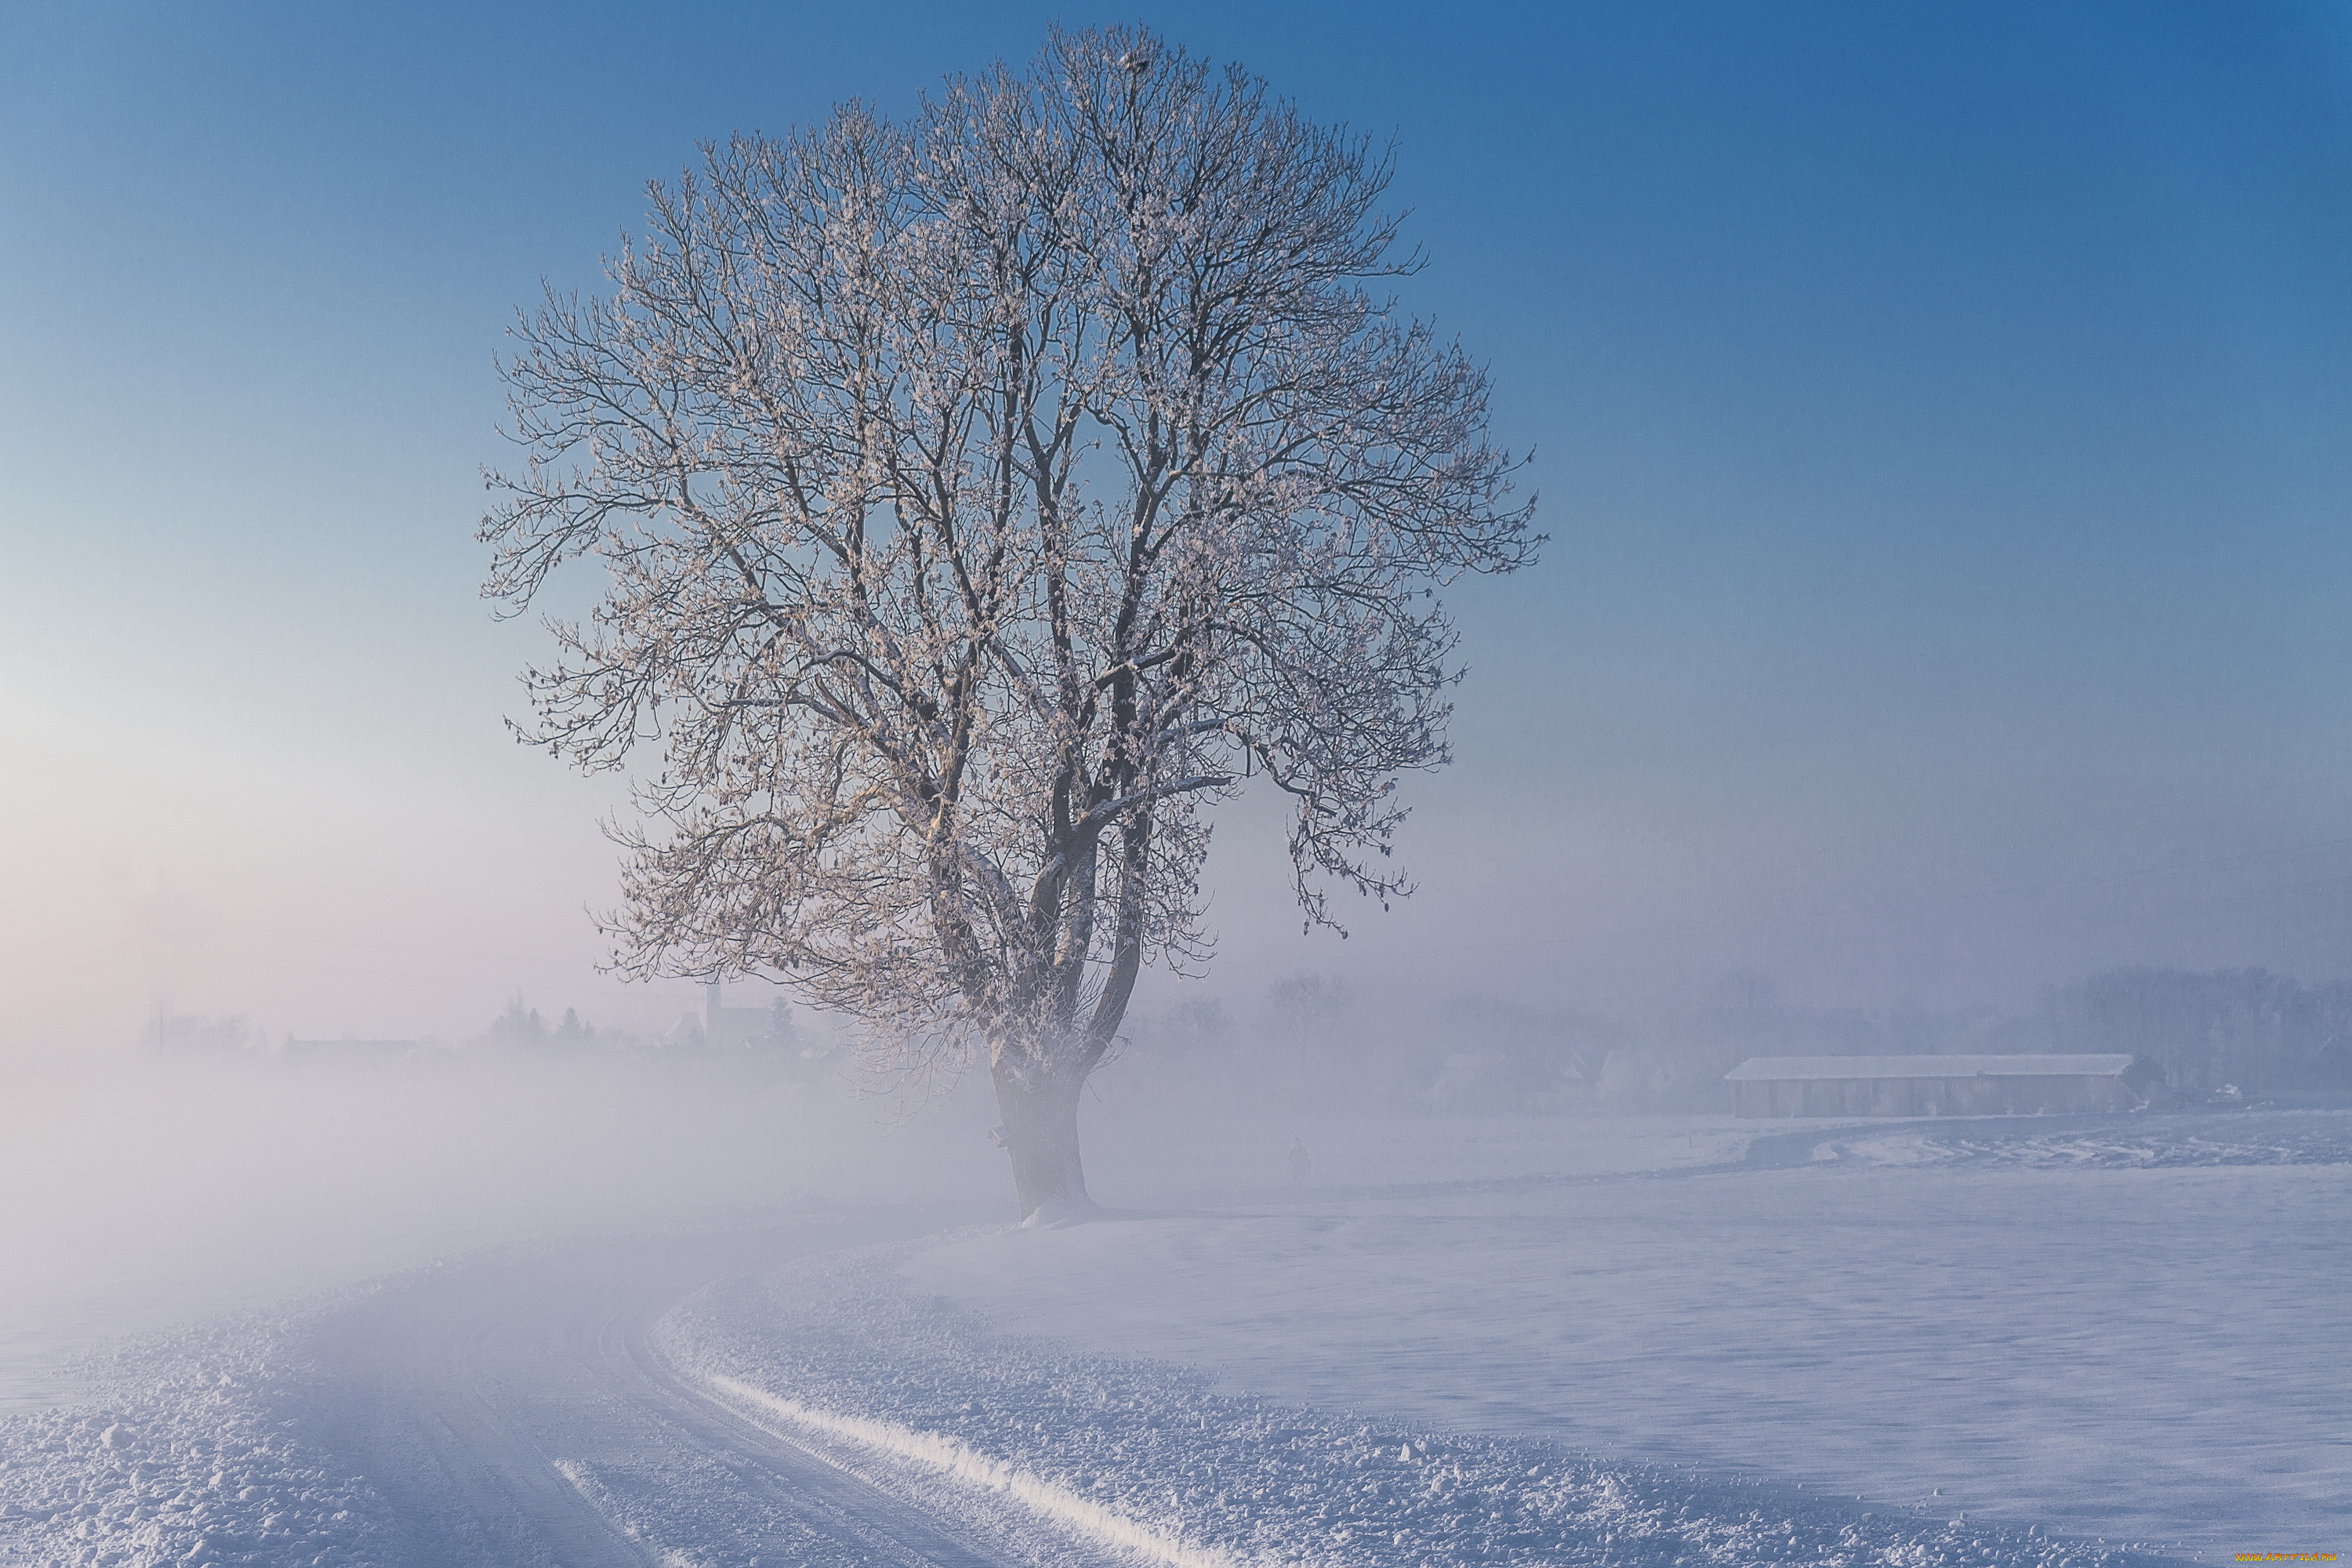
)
(980, 498)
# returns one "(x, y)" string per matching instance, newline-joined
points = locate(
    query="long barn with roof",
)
(1940, 1086)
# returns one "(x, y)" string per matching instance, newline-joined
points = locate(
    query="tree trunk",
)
(1041, 1131)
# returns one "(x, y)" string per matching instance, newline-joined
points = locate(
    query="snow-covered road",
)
(511, 1413)
(508, 1411)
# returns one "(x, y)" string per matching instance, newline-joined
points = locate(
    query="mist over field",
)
(1547, 785)
(176, 1185)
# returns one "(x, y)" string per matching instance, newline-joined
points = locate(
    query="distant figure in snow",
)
(1301, 1166)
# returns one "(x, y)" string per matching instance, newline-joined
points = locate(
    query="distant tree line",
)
(777, 1041)
(1313, 1043)
(2250, 1027)
(778, 1045)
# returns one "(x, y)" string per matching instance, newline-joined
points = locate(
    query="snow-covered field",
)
(2132, 1330)
(1523, 1342)
(1058, 1455)
(1145, 1157)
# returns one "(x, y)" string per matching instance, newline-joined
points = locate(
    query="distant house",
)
(725, 1026)
(1939, 1086)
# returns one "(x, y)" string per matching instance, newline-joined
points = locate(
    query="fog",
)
(152, 1187)
(1470, 1223)
(203, 1166)
(1942, 430)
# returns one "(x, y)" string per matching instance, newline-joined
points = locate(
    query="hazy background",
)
(1941, 415)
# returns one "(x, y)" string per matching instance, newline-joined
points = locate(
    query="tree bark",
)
(1041, 1131)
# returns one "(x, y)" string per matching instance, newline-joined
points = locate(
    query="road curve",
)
(511, 1412)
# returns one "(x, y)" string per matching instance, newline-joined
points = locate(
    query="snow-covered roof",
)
(1773, 1070)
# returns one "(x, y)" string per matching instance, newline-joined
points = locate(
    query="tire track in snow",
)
(883, 1523)
(967, 1466)
(504, 1412)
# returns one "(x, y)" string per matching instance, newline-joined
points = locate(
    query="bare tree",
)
(1310, 1016)
(982, 500)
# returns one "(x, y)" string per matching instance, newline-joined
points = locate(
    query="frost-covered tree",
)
(983, 499)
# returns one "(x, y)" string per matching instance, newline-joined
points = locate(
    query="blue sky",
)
(1941, 417)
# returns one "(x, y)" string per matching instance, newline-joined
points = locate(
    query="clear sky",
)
(1944, 420)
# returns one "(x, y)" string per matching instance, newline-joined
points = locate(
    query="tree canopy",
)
(983, 498)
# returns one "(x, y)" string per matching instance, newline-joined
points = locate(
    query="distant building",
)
(725, 1026)
(1939, 1086)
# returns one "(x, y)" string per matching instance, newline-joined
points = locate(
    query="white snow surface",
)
(1201, 1157)
(2128, 1328)
(190, 1448)
(1792, 1070)
(1053, 1452)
